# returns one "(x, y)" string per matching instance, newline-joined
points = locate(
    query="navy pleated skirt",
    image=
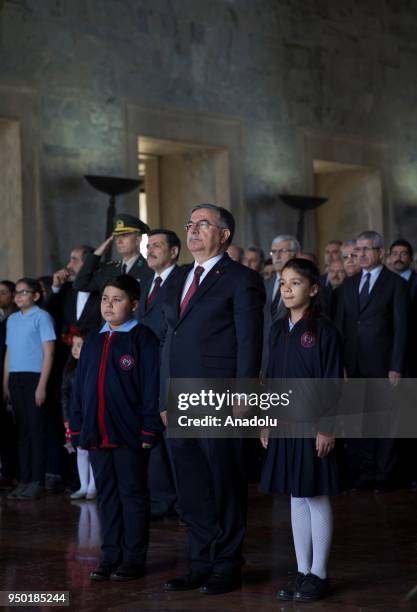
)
(292, 467)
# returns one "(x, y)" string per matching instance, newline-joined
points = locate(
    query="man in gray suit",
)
(284, 247)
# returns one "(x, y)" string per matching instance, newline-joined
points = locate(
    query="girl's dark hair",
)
(125, 283)
(34, 285)
(310, 271)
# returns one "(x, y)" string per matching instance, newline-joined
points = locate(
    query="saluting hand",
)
(104, 246)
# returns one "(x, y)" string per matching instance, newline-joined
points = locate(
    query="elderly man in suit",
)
(214, 322)
(283, 248)
(373, 315)
(163, 250)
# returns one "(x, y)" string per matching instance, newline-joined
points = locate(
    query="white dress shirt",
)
(207, 265)
(375, 272)
(164, 275)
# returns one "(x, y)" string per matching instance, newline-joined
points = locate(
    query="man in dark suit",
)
(163, 251)
(214, 330)
(284, 247)
(127, 235)
(372, 313)
(69, 307)
(401, 254)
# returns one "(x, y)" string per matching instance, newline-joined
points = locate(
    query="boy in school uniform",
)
(114, 414)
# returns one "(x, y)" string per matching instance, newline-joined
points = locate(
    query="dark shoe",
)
(103, 571)
(221, 583)
(17, 491)
(128, 571)
(192, 580)
(286, 593)
(312, 588)
(32, 491)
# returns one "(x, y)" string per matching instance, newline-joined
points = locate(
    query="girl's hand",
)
(324, 444)
(6, 394)
(40, 396)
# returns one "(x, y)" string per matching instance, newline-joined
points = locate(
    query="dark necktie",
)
(191, 289)
(124, 268)
(156, 287)
(275, 303)
(364, 294)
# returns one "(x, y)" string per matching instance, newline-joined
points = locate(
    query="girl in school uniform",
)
(306, 344)
(87, 488)
(30, 340)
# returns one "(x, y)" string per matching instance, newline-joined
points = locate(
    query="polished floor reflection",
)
(54, 543)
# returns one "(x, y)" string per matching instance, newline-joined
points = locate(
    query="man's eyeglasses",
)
(366, 249)
(204, 224)
(350, 256)
(24, 292)
(280, 252)
(401, 254)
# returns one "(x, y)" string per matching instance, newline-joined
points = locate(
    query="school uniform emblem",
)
(127, 362)
(308, 339)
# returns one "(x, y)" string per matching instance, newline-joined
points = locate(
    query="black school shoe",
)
(312, 588)
(287, 592)
(128, 571)
(221, 583)
(103, 571)
(192, 580)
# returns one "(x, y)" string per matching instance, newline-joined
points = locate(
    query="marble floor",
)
(52, 544)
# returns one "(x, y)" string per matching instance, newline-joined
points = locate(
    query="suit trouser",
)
(123, 503)
(212, 489)
(162, 485)
(31, 426)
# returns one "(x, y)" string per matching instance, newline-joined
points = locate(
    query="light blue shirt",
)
(374, 273)
(25, 336)
(125, 327)
(406, 274)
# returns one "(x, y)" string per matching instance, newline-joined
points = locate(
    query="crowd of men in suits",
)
(209, 318)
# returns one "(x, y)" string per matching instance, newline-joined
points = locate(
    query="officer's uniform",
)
(94, 275)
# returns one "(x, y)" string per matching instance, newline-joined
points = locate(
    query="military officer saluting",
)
(127, 235)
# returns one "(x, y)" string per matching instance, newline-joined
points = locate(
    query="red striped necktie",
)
(191, 289)
(156, 287)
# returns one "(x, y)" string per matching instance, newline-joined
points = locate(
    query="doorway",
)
(178, 175)
(354, 202)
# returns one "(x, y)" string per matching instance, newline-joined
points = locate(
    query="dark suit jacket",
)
(152, 316)
(63, 308)
(376, 337)
(269, 320)
(220, 333)
(94, 274)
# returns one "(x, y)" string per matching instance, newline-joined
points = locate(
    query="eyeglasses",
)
(204, 224)
(280, 251)
(401, 254)
(366, 249)
(24, 292)
(350, 256)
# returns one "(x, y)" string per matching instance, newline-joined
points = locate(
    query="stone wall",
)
(279, 66)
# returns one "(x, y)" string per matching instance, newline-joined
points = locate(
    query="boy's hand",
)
(146, 445)
(40, 395)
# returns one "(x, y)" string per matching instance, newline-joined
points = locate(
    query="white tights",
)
(312, 528)
(85, 472)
